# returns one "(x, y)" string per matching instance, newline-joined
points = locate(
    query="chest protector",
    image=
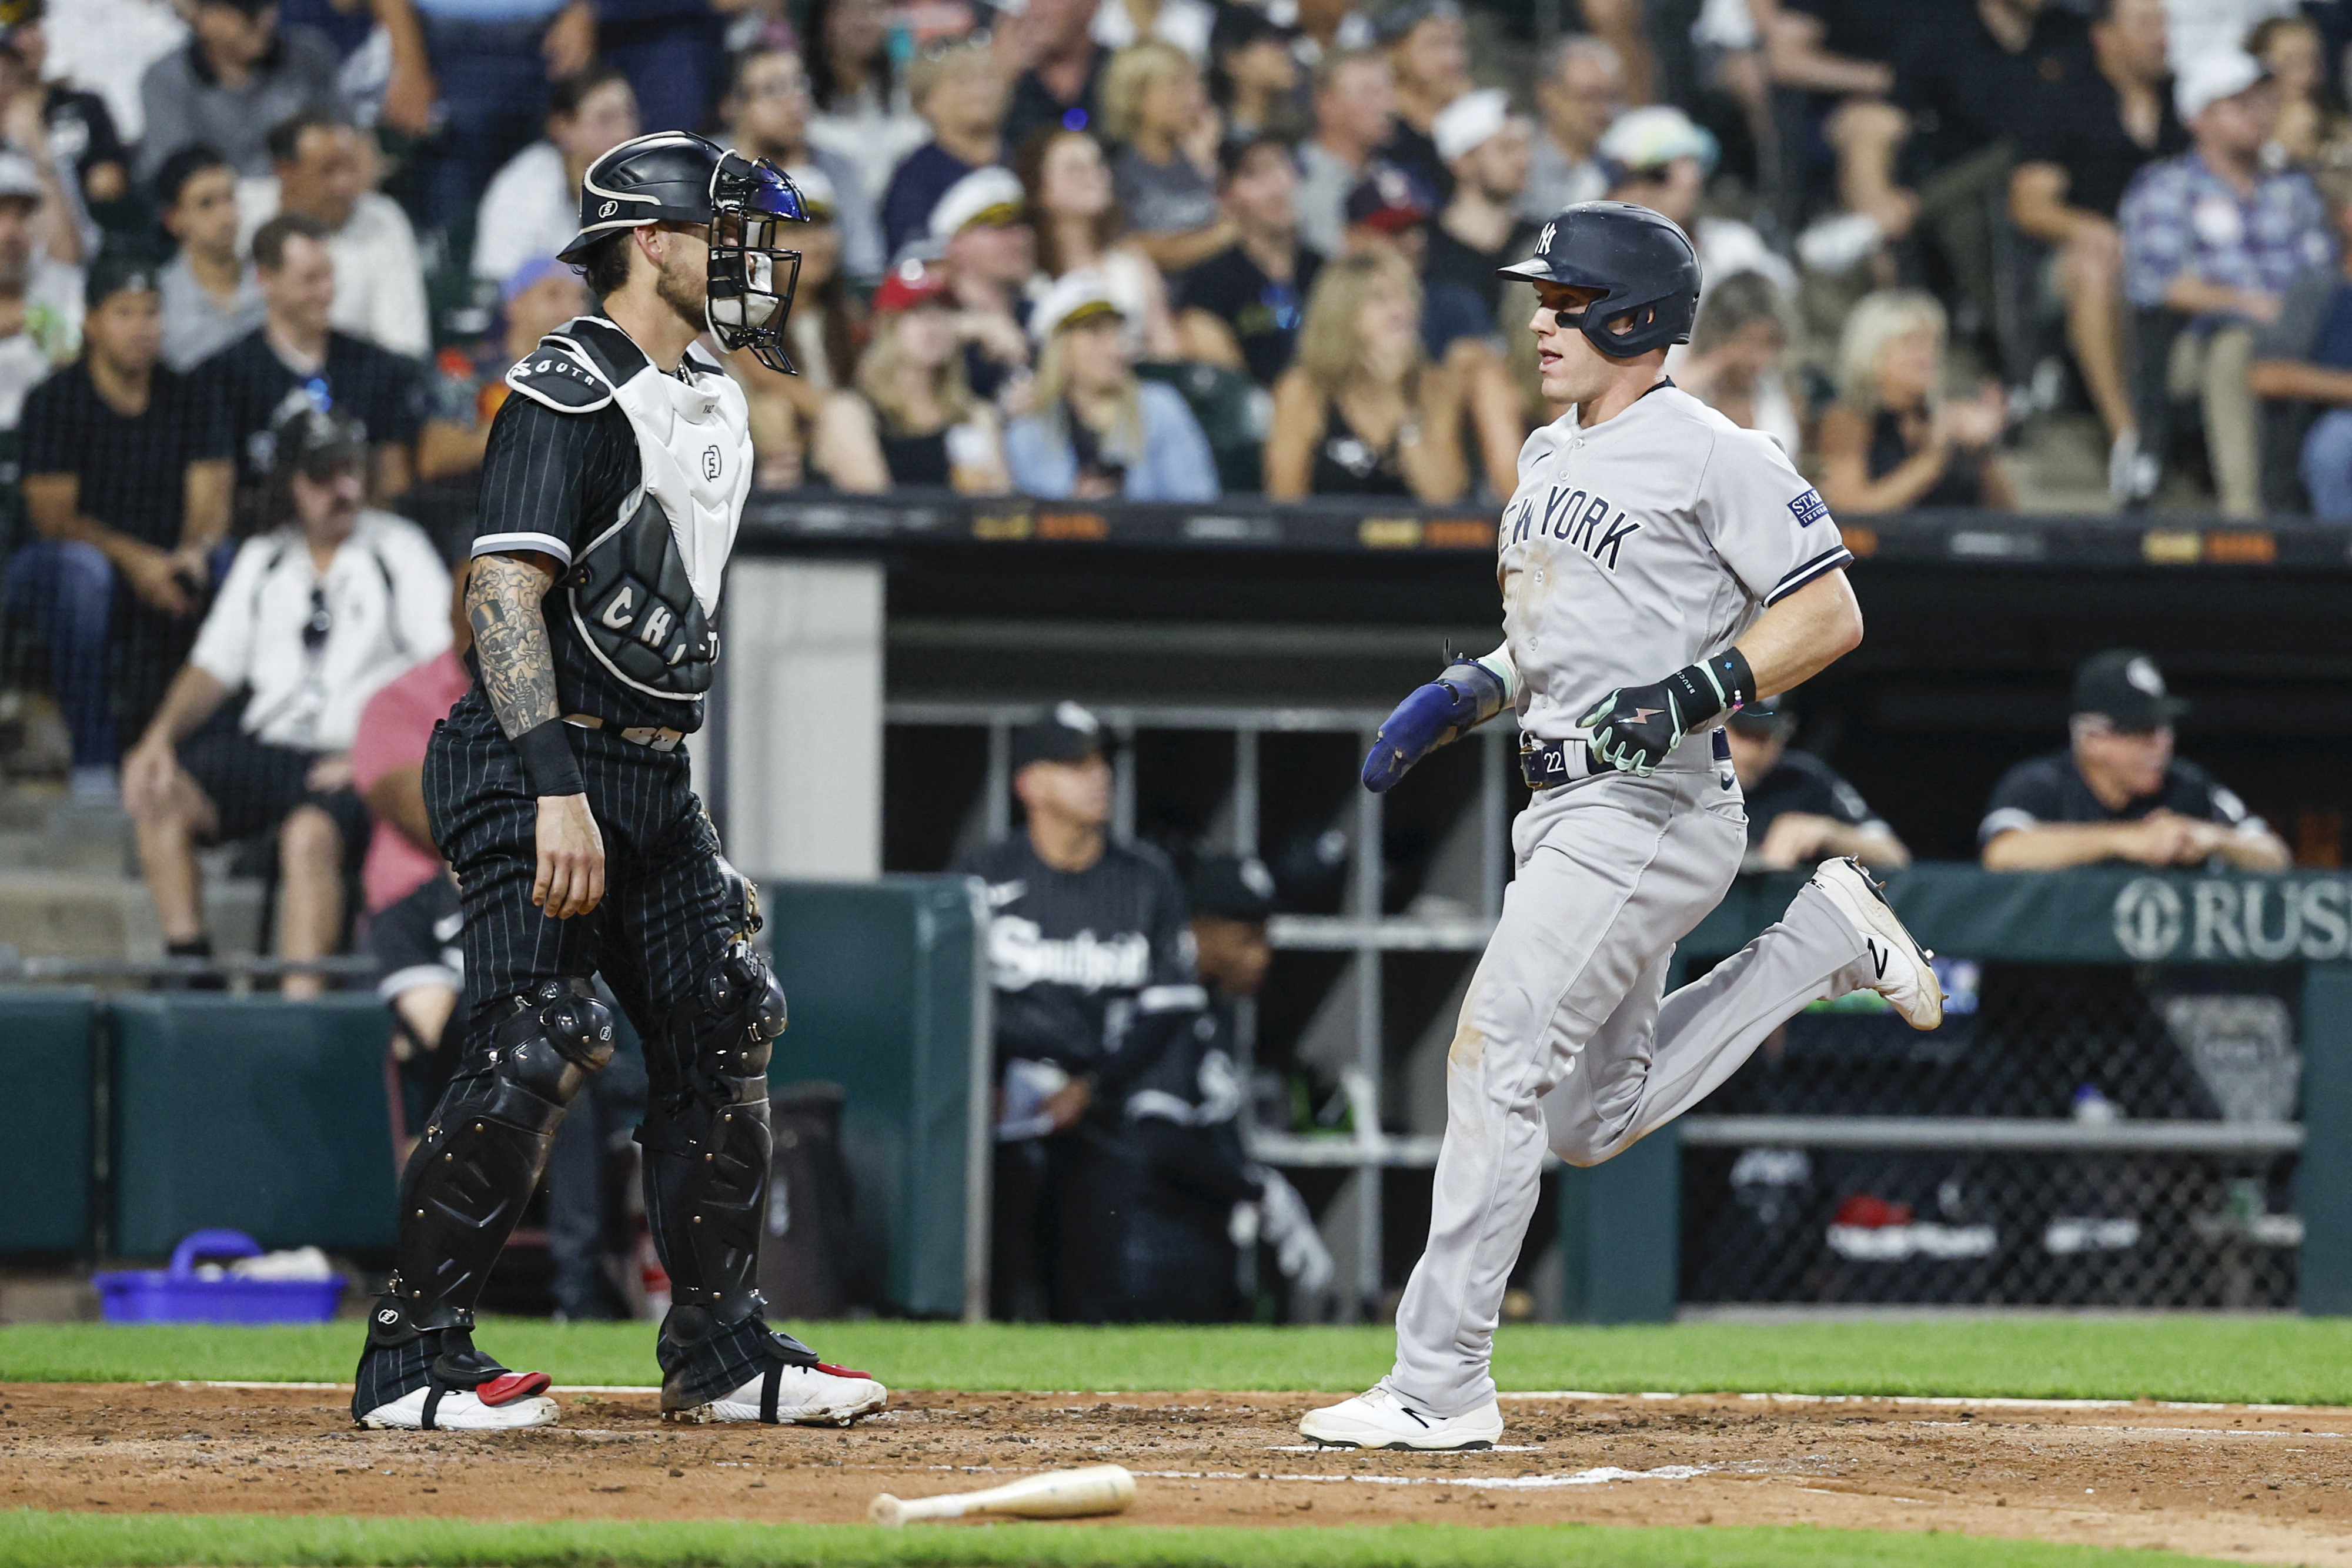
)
(644, 593)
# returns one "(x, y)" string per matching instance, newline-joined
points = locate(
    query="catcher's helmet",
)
(1643, 264)
(674, 177)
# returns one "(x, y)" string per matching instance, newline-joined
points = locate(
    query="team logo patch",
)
(608, 209)
(1809, 508)
(710, 463)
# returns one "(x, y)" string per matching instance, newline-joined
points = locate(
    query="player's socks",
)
(1904, 975)
(1379, 1419)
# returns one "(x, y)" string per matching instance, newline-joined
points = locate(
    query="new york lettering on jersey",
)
(1576, 518)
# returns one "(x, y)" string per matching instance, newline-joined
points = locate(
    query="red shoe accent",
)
(511, 1387)
(827, 1368)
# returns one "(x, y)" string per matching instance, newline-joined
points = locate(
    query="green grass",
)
(2257, 1359)
(37, 1539)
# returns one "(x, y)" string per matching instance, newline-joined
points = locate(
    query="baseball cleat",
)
(1380, 1420)
(819, 1396)
(1904, 976)
(507, 1403)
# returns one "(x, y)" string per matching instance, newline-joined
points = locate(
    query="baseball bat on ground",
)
(1056, 1494)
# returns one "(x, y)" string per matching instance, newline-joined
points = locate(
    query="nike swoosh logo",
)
(1412, 1412)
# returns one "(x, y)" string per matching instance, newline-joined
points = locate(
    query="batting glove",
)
(1634, 728)
(1465, 696)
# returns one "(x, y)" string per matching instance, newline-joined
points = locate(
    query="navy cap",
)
(1232, 887)
(1066, 733)
(2124, 686)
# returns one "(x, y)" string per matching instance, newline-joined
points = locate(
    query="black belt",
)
(1548, 764)
(652, 736)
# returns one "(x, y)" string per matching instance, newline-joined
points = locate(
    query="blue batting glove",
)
(1465, 696)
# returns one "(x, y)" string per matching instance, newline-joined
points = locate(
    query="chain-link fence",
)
(2073, 1135)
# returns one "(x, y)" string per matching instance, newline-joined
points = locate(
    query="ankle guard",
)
(401, 1357)
(707, 1141)
(481, 1157)
(702, 1359)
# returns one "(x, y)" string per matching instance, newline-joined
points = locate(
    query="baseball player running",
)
(557, 790)
(1659, 567)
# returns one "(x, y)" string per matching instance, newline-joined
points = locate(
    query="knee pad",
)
(482, 1151)
(708, 1141)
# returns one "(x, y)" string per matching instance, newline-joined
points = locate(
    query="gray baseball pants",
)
(1567, 1037)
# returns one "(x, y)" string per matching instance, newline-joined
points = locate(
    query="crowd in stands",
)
(265, 263)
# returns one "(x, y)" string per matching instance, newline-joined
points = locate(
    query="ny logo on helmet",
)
(1543, 240)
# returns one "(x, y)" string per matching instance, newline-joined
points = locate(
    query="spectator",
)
(1735, 358)
(988, 257)
(1355, 110)
(532, 206)
(861, 110)
(324, 169)
(494, 60)
(674, 54)
(316, 616)
(961, 94)
(1430, 58)
(1799, 809)
(1095, 432)
(1579, 93)
(913, 419)
(2213, 238)
(1324, 28)
(1186, 24)
(297, 356)
(1077, 228)
(384, 78)
(1891, 443)
(1061, 86)
(1094, 983)
(1241, 309)
(2307, 355)
(414, 919)
(75, 125)
(1841, 53)
(211, 298)
(1486, 149)
(2080, 140)
(40, 297)
(470, 386)
(767, 106)
(1253, 77)
(1659, 158)
(1171, 1189)
(107, 45)
(1388, 213)
(235, 79)
(1155, 111)
(2311, 120)
(2116, 791)
(126, 479)
(823, 331)
(1361, 413)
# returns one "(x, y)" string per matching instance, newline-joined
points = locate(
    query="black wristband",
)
(548, 765)
(1713, 685)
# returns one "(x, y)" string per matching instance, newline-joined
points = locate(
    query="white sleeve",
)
(1770, 527)
(399, 310)
(421, 590)
(224, 647)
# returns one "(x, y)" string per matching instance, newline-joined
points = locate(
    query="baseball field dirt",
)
(2258, 1484)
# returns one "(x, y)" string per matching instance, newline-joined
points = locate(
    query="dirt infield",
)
(2260, 1484)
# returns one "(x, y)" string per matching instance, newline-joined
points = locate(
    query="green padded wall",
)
(258, 1114)
(880, 978)
(44, 1082)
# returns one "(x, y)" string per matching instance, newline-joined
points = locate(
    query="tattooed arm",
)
(502, 604)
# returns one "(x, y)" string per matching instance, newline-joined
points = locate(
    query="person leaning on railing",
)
(2117, 792)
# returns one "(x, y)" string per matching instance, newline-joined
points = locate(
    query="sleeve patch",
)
(1809, 508)
(559, 381)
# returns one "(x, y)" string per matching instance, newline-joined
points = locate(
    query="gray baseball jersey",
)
(1645, 543)
(1630, 548)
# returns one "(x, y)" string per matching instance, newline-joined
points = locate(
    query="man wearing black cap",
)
(127, 482)
(1798, 808)
(1093, 981)
(2117, 792)
(1151, 1234)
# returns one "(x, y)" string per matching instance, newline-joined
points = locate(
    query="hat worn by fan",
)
(2205, 79)
(1074, 297)
(991, 196)
(1470, 121)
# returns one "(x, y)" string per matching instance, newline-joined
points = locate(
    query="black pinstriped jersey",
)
(1093, 970)
(564, 478)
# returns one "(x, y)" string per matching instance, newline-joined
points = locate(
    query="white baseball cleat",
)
(819, 1396)
(1380, 1420)
(1905, 978)
(505, 1403)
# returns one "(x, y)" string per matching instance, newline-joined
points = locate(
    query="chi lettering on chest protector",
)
(1658, 567)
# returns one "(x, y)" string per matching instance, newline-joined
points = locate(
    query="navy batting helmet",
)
(1640, 262)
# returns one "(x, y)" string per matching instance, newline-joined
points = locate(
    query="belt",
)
(1548, 764)
(650, 736)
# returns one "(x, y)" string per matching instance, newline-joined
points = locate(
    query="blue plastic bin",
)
(175, 1295)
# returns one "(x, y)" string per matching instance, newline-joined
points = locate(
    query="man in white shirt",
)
(315, 616)
(322, 171)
